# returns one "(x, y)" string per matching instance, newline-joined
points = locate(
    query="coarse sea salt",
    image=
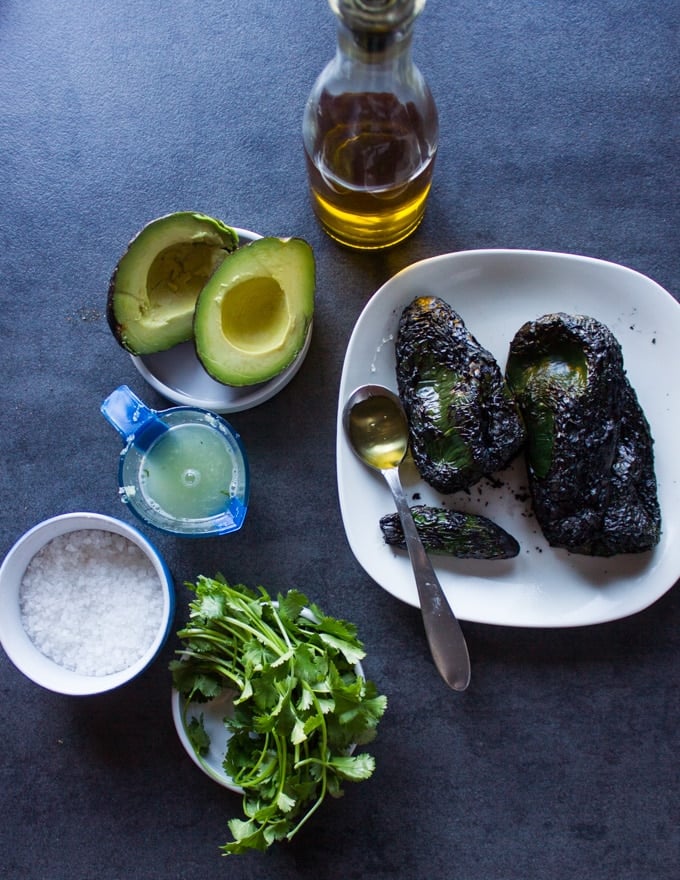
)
(91, 601)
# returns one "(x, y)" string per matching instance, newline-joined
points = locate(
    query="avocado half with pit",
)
(252, 317)
(154, 288)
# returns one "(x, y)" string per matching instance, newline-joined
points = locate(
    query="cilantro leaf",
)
(198, 735)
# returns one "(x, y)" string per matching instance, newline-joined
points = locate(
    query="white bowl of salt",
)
(86, 603)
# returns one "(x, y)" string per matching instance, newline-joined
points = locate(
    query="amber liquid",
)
(379, 432)
(371, 169)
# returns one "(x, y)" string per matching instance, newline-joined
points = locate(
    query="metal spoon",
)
(376, 426)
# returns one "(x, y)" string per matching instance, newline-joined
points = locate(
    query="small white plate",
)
(495, 292)
(178, 374)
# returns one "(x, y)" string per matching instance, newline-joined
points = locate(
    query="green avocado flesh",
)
(252, 317)
(154, 288)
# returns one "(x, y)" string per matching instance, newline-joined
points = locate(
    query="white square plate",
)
(495, 292)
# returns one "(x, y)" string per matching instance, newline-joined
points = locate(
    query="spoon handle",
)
(445, 637)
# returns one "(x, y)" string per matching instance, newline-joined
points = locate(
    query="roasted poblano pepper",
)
(465, 535)
(463, 421)
(590, 451)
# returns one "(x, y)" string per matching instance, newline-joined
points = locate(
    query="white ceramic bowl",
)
(13, 636)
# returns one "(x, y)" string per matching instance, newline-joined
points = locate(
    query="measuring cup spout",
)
(133, 420)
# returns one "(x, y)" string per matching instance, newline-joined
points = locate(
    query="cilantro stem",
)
(249, 776)
(281, 627)
(323, 763)
(213, 663)
(228, 625)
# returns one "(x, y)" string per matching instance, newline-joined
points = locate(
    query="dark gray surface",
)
(559, 131)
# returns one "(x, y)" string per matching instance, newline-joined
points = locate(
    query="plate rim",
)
(220, 776)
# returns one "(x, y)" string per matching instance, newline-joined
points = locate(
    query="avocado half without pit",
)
(154, 288)
(253, 315)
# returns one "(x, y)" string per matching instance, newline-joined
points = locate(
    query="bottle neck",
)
(375, 49)
(377, 15)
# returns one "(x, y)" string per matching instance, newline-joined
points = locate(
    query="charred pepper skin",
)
(452, 533)
(590, 453)
(463, 421)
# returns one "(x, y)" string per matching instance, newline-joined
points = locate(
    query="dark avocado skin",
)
(449, 532)
(463, 421)
(590, 451)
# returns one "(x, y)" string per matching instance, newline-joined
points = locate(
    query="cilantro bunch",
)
(300, 704)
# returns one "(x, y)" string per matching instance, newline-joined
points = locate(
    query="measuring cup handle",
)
(133, 420)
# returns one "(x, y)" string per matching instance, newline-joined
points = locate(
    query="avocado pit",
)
(255, 316)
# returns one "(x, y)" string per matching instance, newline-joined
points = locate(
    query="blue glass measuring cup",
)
(182, 470)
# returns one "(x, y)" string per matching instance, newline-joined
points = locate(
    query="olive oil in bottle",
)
(370, 128)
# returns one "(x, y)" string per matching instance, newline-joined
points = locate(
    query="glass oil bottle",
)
(370, 128)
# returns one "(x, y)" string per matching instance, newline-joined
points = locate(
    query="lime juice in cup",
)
(182, 470)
